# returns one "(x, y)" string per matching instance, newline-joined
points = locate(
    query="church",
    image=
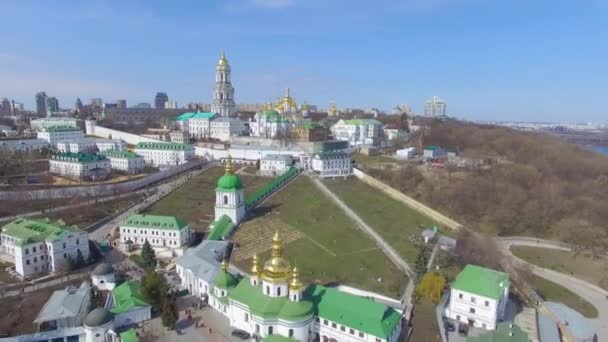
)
(272, 302)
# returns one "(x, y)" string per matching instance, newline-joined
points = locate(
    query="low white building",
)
(224, 127)
(164, 153)
(125, 161)
(358, 131)
(56, 134)
(179, 137)
(103, 277)
(80, 166)
(269, 124)
(65, 308)
(128, 305)
(391, 133)
(196, 125)
(434, 151)
(91, 145)
(332, 164)
(199, 266)
(406, 153)
(42, 124)
(40, 245)
(478, 297)
(275, 164)
(24, 145)
(162, 232)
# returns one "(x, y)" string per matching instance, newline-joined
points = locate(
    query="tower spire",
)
(225, 265)
(255, 269)
(229, 167)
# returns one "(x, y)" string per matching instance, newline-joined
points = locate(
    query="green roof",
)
(154, 222)
(28, 231)
(129, 336)
(269, 307)
(120, 154)
(147, 145)
(225, 280)
(221, 228)
(127, 296)
(278, 338)
(432, 147)
(501, 334)
(62, 129)
(229, 182)
(359, 122)
(197, 115)
(355, 312)
(78, 157)
(482, 281)
(270, 113)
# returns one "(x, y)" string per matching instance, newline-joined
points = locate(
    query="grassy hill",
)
(533, 184)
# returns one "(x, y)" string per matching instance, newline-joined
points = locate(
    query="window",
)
(458, 317)
(35, 259)
(472, 310)
(325, 322)
(269, 330)
(34, 249)
(483, 325)
(65, 256)
(342, 328)
(246, 317)
(290, 332)
(64, 245)
(333, 325)
(278, 291)
(487, 303)
(460, 295)
(473, 299)
(361, 335)
(77, 241)
(378, 340)
(225, 199)
(267, 289)
(27, 262)
(352, 331)
(317, 319)
(27, 251)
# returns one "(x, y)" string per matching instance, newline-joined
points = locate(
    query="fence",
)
(272, 186)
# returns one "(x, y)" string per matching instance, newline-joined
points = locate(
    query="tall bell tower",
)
(223, 93)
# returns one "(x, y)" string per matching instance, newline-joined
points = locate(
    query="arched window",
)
(269, 330)
(290, 332)
(221, 96)
(225, 199)
(278, 291)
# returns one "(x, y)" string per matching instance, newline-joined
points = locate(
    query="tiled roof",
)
(482, 281)
(154, 222)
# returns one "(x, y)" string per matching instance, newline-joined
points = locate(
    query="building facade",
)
(270, 124)
(125, 161)
(41, 103)
(198, 266)
(230, 196)
(222, 128)
(196, 124)
(275, 164)
(65, 308)
(223, 93)
(55, 134)
(41, 124)
(164, 154)
(358, 131)
(332, 164)
(40, 245)
(162, 232)
(435, 107)
(91, 145)
(479, 303)
(80, 166)
(160, 100)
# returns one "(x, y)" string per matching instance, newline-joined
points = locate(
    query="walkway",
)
(590, 292)
(382, 244)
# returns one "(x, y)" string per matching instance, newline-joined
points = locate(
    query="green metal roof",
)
(195, 115)
(221, 228)
(432, 147)
(482, 281)
(229, 182)
(270, 113)
(270, 186)
(78, 157)
(269, 307)
(501, 334)
(359, 122)
(62, 129)
(127, 296)
(121, 154)
(225, 280)
(154, 222)
(147, 145)
(355, 312)
(28, 231)
(278, 338)
(129, 336)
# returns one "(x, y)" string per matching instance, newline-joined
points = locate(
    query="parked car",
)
(463, 329)
(243, 335)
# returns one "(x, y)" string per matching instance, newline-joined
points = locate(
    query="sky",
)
(530, 60)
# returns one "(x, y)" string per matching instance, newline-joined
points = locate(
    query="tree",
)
(148, 256)
(431, 286)
(170, 313)
(154, 288)
(422, 259)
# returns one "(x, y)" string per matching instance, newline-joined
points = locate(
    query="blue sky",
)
(489, 59)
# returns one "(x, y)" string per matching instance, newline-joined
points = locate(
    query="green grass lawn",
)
(364, 159)
(556, 293)
(397, 223)
(424, 323)
(194, 201)
(583, 266)
(333, 248)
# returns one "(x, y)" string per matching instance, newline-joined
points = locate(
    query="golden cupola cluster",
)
(277, 269)
(295, 284)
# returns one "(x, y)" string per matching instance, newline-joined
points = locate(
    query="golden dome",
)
(277, 268)
(223, 61)
(296, 283)
(225, 265)
(255, 269)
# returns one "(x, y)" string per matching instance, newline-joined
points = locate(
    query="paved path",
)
(384, 246)
(590, 292)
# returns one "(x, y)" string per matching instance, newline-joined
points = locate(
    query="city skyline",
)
(531, 61)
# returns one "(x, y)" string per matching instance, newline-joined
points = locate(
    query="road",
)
(590, 292)
(384, 246)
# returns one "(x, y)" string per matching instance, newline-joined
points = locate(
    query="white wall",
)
(485, 316)
(136, 315)
(129, 138)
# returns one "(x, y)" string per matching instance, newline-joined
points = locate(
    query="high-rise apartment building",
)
(121, 104)
(160, 100)
(41, 103)
(435, 107)
(52, 105)
(78, 105)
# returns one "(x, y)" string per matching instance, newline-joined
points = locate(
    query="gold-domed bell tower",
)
(255, 271)
(275, 275)
(295, 286)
